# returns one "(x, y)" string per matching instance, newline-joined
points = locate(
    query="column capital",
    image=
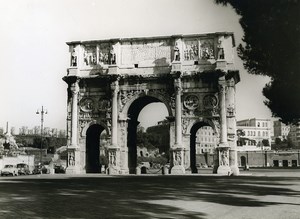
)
(115, 84)
(222, 80)
(75, 87)
(177, 85)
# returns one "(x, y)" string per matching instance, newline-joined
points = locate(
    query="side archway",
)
(193, 136)
(92, 153)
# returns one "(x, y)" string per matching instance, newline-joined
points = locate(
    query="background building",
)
(256, 134)
(206, 140)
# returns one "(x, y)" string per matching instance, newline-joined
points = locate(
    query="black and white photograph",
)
(185, 109)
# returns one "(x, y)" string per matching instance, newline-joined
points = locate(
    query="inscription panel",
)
(158, 53)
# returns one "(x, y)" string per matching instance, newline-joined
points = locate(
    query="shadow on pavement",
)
(136, 196)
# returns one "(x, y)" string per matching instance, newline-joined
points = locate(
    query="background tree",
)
(272, 48)
(265, 142)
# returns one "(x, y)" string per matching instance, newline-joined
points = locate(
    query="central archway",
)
(93, 133)
(133, 114)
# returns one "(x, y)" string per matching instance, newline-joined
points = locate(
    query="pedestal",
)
(224, 170)
(112, 171)
(114, 160)
(73, 161)
(177, 170)
(233, 162)
(177, 158)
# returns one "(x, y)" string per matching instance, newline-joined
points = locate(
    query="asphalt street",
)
(254, 194)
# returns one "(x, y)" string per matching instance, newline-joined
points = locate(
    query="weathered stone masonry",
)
(110, 81)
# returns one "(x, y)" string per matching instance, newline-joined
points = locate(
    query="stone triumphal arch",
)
(110, 81)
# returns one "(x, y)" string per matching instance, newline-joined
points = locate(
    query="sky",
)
(34, 56)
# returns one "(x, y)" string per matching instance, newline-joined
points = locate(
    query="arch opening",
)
(140, 140)
(95, 150)
(243, 161)
(203, 141)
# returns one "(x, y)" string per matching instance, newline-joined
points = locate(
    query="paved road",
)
(264, 194)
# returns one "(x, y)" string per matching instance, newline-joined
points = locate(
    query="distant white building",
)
(257, 134)
(37, 130)
(23, 130)
(206, 140)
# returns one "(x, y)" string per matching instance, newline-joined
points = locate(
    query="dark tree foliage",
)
(265, 142)
(272, 47)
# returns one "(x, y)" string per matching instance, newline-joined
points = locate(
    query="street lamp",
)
(42, 112)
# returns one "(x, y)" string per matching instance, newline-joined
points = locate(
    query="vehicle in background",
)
(37, 169)
(9, 169)
(45, 169)
(23, 169)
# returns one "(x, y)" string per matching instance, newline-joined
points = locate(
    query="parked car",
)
(37, 169)
(9, 169)
(45, 169)
(23, 169)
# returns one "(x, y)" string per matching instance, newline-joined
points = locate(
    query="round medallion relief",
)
(86, 105)
(210, 101)
(191, 102)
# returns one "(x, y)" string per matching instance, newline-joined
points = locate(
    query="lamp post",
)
(42, 112)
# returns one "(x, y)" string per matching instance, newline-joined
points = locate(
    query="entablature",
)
(152, 55)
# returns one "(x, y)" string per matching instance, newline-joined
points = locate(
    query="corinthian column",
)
(223, 122)
(73, 149)
(223, 148)
(74, 121)
(114, 150)
(114, 116)
(177, 150)
(178, 128)
(231, 126)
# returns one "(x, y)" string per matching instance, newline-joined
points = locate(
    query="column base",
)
(138, 171)
(73, 170)
(235, 170)
(177, 170)
(113, 171)
(224, 170)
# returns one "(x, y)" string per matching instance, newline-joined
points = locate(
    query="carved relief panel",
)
(89, 55)
(107, 54)
(191, 49)
(210, 105)
(207, 49)
(199, 49)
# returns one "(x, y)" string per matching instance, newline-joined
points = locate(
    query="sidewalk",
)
(192, 196)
